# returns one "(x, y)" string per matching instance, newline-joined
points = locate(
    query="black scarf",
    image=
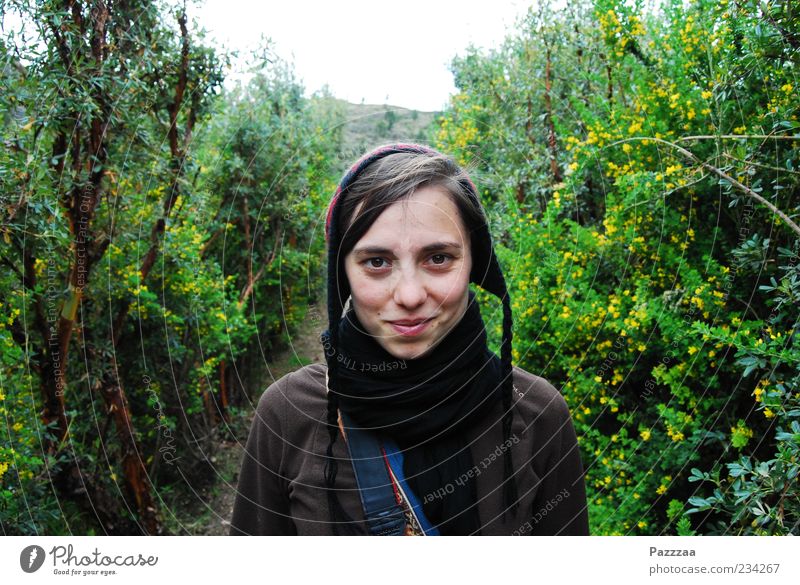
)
(425, 405)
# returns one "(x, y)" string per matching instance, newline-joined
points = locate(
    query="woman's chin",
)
(412, 350)
(408, 351)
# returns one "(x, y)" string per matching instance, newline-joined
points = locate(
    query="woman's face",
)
(409, 273)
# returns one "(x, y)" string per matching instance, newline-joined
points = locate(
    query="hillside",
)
(369, 125)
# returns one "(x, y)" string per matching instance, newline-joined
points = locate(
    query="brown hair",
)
(395, 177)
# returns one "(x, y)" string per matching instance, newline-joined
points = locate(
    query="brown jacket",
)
(281, 487)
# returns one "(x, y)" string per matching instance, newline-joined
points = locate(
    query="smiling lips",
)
(410, 327)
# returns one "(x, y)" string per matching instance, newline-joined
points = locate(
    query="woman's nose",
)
(410, 290)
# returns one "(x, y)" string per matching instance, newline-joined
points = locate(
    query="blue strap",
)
(384, 516)
(395, 457)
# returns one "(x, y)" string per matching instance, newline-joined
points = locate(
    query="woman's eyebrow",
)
(435, 247)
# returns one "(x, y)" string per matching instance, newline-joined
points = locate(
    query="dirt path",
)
(304, 348)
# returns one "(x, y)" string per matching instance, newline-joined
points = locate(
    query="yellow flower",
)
(707, 95)
(641, 524)
(768, 413)
(675, 435)
(645, 435)
(692, 350)
(787, 88)
(661, 489)
(759, 390)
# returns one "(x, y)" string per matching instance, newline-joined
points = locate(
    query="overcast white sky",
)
(382, 52)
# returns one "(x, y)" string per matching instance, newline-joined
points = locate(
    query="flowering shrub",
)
(632, 188)
(157, 238)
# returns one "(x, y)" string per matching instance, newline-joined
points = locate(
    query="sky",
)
(394, 53)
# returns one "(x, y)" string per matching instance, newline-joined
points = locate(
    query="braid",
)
(335, 510)
(331, 467)
(510, 482)
(494, 282)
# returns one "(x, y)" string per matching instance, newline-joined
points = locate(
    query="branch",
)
(743, 188)
(252, 281)
(755, 164)
(61, 47)
(670, 192)
(183, 75)
(731, 136)
(11, 265)
(792, 39)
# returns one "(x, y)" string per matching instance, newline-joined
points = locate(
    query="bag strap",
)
(394, 457)
(384, 516)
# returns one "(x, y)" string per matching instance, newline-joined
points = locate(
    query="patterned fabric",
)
(413, 526)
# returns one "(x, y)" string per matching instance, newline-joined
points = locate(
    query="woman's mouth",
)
(410, 327)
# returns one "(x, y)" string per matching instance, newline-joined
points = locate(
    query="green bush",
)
(631, 190)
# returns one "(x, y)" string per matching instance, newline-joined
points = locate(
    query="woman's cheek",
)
(369, 294)
(453, 290)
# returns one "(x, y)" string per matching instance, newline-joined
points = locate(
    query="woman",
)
(467, 443)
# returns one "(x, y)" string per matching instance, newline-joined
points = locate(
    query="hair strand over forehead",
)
(396, 177)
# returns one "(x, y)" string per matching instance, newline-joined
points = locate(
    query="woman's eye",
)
(439, 258)
(376, 263)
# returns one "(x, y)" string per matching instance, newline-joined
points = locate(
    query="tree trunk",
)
(132, 461)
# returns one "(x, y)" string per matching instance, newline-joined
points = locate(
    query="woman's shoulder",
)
(295, 396)
(537, 398)
(312, 375)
